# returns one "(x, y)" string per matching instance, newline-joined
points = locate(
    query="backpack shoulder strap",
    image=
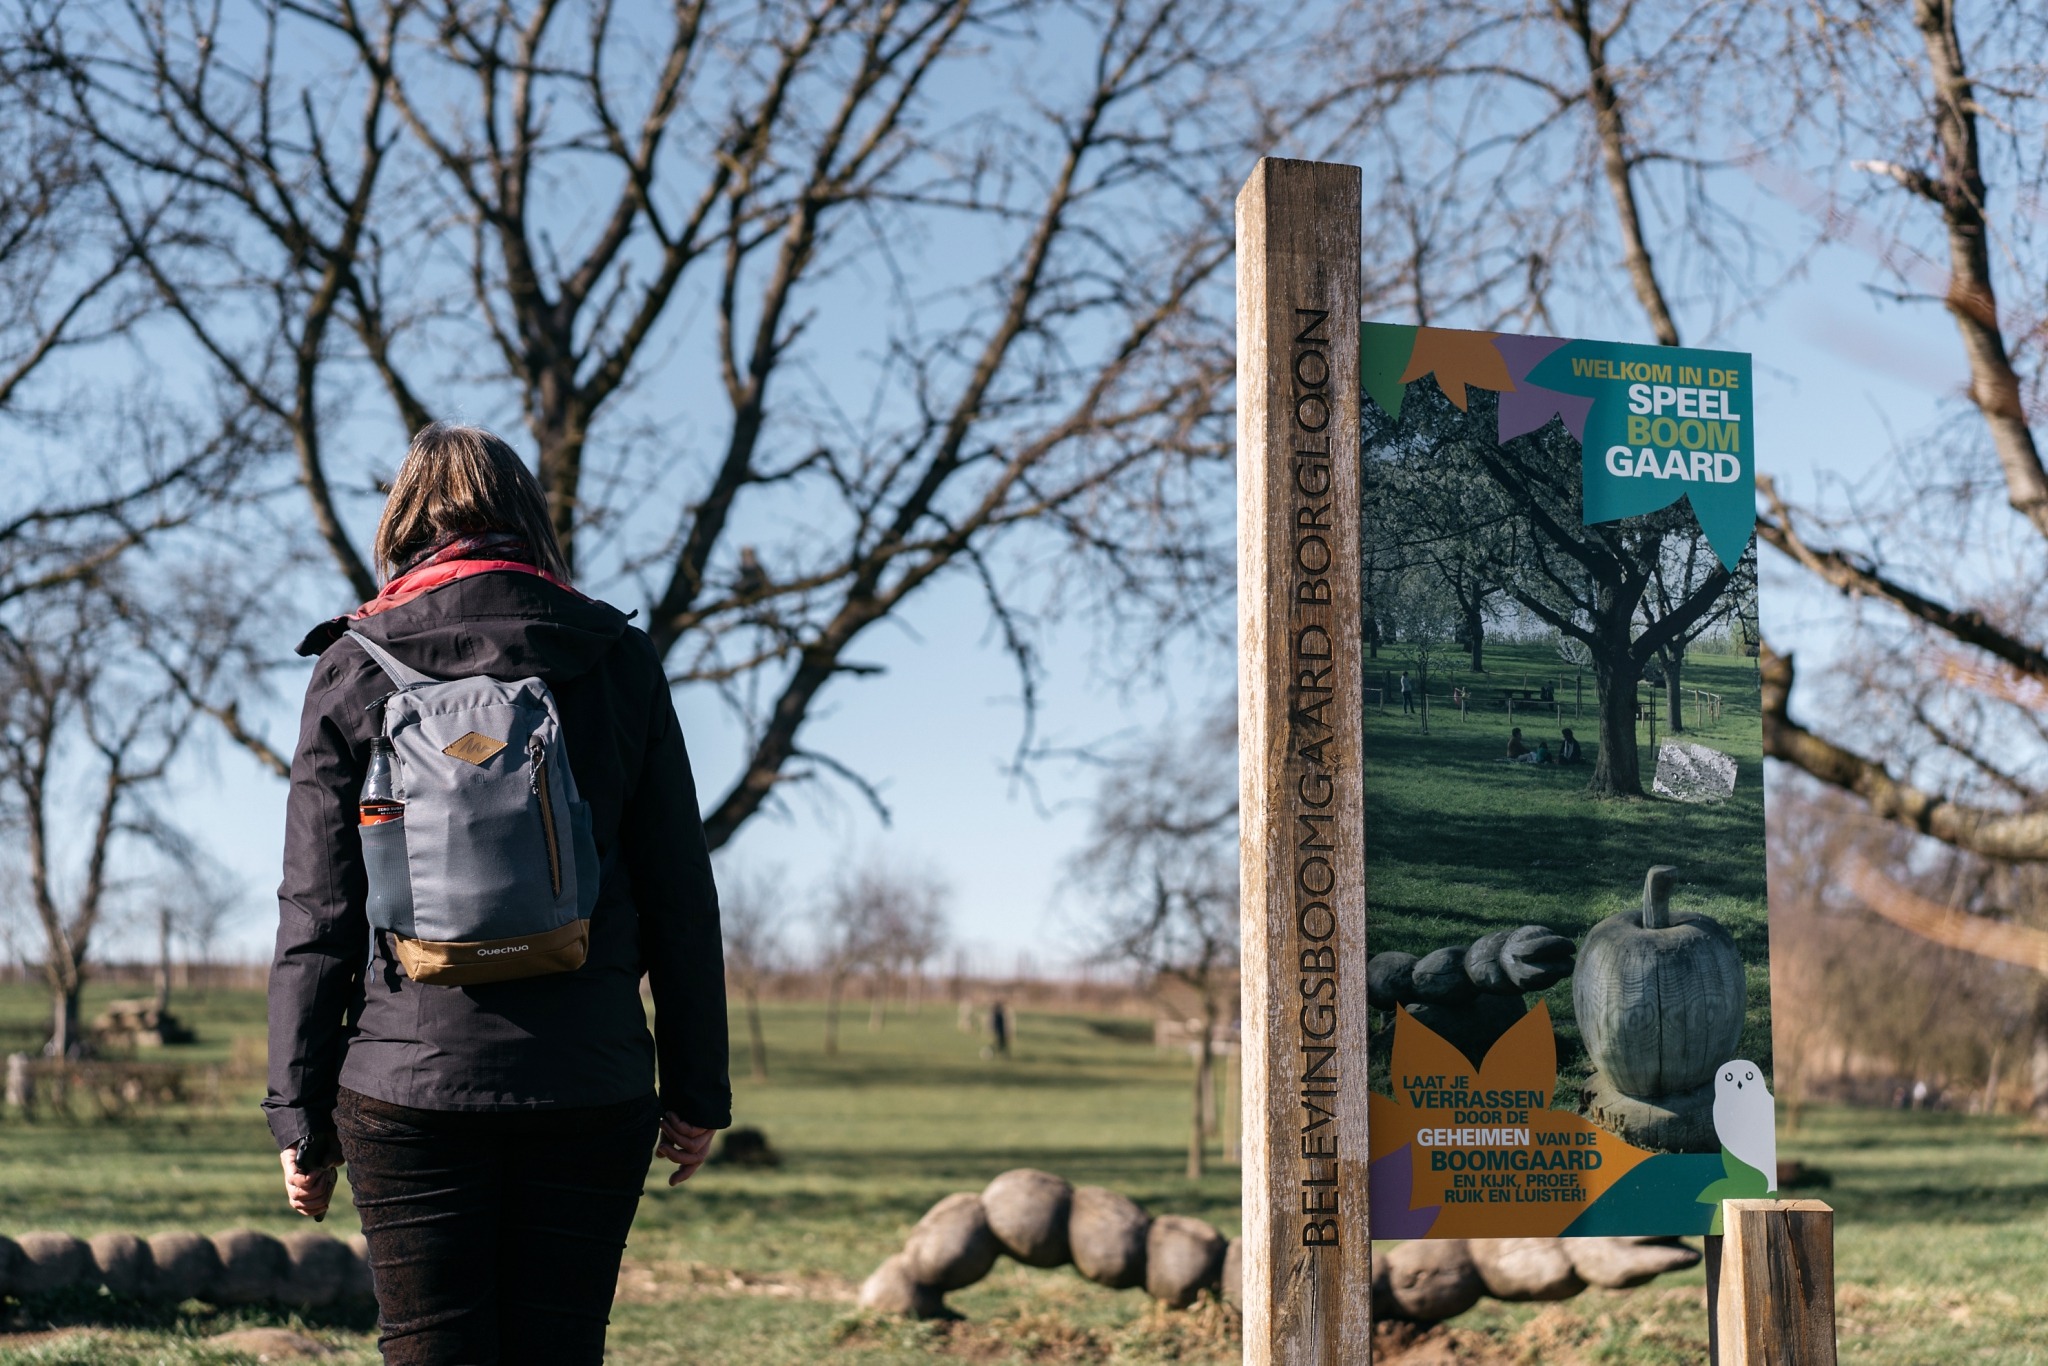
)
(398, 673)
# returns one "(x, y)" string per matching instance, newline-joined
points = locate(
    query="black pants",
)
(495, 1236)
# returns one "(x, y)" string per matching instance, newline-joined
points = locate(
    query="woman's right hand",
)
(309, 1192)
(686, 1145)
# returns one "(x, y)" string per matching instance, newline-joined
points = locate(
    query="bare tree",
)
(751, 918)
(88, 726)
(1681, 571)
(1587, 582)
(190, 895)
(873, 915)
(1160, 866)
(1544, 150)
(910, 930)
(64, 281)
(539, 209)
(87, 736)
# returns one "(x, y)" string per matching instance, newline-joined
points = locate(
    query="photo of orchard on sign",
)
(1486, 994)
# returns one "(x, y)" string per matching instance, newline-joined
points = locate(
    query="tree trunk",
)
(1198, 1127)
(757, 1046)
(163, 963)
(1475, 637)
(2038, 1072)
(67, 1040)
(1617, 772)
(878, 1003)
(832, 991)
(1672, 659)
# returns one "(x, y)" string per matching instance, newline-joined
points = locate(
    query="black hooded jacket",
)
(342, 1013)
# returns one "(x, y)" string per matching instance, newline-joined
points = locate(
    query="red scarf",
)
(447, 561)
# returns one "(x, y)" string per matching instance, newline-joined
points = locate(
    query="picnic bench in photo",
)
(1528, 699)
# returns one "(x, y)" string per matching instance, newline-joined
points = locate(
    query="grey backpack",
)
(492, 871)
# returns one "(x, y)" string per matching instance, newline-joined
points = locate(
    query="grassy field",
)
(1943, 1238)
(1459, 843)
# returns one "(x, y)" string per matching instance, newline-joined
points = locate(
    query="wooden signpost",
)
(1307, 1252)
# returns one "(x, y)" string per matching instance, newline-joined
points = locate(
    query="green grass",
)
(1943, 1233)
(1459, 843)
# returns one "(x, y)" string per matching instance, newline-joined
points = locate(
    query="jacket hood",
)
(503, 623)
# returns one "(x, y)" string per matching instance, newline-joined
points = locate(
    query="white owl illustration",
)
(1746, 1118)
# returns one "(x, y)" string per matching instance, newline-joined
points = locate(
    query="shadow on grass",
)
(1900, 1204)
(81, 1308)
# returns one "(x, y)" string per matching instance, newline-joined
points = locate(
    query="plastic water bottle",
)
(380, 795)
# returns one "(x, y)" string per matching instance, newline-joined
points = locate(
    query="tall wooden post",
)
(1307, 1252)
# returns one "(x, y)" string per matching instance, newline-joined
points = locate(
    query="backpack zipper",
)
(547, 811)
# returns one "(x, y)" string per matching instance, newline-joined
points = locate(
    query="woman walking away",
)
(492, 834)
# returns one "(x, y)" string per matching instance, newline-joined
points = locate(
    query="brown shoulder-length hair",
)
(459, 480)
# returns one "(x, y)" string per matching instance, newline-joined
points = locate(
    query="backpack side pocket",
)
(390, 876)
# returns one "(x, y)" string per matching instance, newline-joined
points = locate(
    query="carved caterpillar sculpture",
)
(303, 1270)
(1471, 994)
(1038, 1219)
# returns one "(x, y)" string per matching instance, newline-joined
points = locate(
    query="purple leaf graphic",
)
(1390, 1181)
(1526, 408)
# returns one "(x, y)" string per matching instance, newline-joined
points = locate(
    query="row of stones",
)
(1040, 1220)
(305, 1270)
(1432, 1279)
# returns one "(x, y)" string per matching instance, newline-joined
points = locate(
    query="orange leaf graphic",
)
(1458, 359)
(1484, 1143)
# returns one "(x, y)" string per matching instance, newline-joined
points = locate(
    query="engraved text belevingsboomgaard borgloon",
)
(1310, 736)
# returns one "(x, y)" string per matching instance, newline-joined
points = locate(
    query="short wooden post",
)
(1771, 1285)
(21, 1087)
(1307, 1254)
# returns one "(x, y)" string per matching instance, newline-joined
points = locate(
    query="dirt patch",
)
(1208, 1333)
(271, 1344)
(653, 1282)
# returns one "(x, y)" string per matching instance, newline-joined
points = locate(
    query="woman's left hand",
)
(686, 1145)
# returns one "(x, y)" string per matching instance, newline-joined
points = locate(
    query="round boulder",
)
(1027, 1211)
(1618, 1263)
(1525, 1268)
(253, 1267)
(951, 1246)
(892, 1290)
(182, 1266)
(320, 1270)
(1183, 1257)
(1432, 1279)
(1232, 1279)
(1106, 1232)
(51, 1261)
(122, 1260)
